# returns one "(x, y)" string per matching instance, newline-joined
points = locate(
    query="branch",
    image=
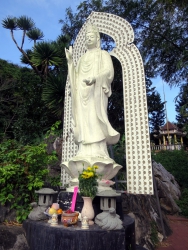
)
(23, 52)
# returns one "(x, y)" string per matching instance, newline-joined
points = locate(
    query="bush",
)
(183, 203)
(22, 171)
(175, 162)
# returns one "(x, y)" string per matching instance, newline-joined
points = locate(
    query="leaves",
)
(53, 94)
(25, 23)
(160, 28)
(10, 23)
(35, 34)
(45, 54)
(22, 171)
(88, 182)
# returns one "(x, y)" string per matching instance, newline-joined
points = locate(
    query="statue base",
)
(107, 168)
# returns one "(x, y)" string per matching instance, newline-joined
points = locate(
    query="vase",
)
(88, 210)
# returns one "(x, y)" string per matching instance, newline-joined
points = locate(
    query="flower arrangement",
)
(88, 182)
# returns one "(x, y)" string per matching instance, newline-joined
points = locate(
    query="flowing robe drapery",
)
(89, 103)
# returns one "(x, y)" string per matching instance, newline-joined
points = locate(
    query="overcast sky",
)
(46, 15)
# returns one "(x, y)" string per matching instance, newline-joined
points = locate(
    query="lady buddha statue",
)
(90, 88)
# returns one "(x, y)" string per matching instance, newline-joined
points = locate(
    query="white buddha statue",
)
(90, 83)
(90, 88)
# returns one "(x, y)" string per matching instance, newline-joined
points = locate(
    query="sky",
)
(46, 15)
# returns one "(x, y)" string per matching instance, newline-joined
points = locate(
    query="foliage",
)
(53, 94)
(182, 108)
(154, 234)
(88, 182)
(115, 103)
(160, 28)
(183, 202)
(22, 171)
(54, 130)
(122, 180)
(28, 107)
(44, 55)
(119, 152)
(155, 107)
(23, 114)
(175, 162)
(54, 181)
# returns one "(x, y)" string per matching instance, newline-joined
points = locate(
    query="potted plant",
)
(88, 190)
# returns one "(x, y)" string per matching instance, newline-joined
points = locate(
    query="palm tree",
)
(26, 24)
(45, 54)
(23, 23)
(53, 94)
(35, 34)
(11, 24)
(24, 59)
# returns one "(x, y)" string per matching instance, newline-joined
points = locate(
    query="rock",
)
(7, 214)
(168, 189)
(143, 209)
(12, 238)
(37, 213)
(109, 220)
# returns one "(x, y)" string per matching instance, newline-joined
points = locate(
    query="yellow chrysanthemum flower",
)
(95, 167)
(91, 174)
(89, 168)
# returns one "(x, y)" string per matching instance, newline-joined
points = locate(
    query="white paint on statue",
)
(90, 83)
(138, 153)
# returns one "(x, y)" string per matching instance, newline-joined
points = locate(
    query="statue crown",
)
(91, 28)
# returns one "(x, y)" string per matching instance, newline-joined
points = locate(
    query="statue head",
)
(92, 36)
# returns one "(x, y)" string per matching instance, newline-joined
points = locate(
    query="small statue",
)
(85, 223)
(37, 213)
(109, 220)
(54, 220)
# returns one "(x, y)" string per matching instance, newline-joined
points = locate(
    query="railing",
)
(166, 147)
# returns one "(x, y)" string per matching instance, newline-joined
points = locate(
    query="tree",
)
(182, 108)
(48, 61)
(43, 55)
(160, 28)
(53, 94)
(156, 110)
(23, 114)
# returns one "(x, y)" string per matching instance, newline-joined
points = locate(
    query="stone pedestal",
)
(41, 236)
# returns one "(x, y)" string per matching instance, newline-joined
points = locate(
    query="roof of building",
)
(169, 126)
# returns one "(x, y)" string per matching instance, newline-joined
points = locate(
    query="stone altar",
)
(41, 236)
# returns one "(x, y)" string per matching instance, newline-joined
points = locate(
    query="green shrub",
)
(23, 170)
(183, 202)
(175, 162)
(154, 234)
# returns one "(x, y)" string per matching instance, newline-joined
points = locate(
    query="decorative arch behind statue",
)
(138, 153)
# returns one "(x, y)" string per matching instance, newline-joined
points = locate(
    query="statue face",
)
(91, 40)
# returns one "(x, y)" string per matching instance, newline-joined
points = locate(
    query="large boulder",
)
(148, 224)
(168, 189)
(150, 212)
(12, 238)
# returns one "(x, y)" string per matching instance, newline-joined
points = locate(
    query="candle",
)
(74, 198)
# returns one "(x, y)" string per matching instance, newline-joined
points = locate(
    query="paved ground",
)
(179, 238)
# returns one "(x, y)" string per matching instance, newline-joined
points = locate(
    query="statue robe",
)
(89, 103)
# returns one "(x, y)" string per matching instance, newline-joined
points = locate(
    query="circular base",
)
(38, 232)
